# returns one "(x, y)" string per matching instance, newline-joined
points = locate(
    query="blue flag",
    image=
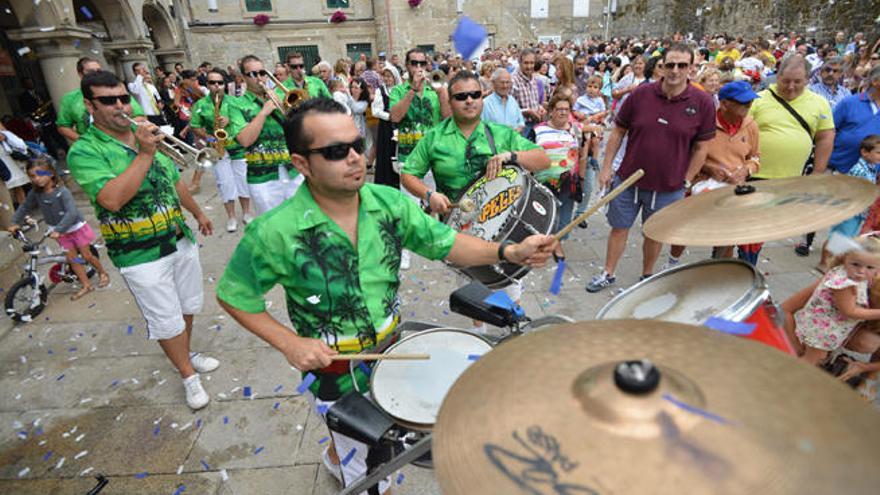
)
(468, 36)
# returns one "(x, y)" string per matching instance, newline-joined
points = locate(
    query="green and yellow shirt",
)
(203, 118)
(72, 112)
(343, 294)
(423, 114)
(316, 87)
(456, 160)
(269, 151)
(147, 227)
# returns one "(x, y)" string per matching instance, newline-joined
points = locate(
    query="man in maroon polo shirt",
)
(668, 125)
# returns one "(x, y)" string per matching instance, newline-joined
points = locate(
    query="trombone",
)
(293, 98)
(180, 152)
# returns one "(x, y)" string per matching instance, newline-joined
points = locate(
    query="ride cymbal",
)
(775, 209)
(547, 413)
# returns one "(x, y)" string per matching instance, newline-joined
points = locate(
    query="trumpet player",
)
(210, 118)
(255, 123)
(299, 80)
(138, 196)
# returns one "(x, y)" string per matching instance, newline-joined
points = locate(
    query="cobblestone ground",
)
(83, 392)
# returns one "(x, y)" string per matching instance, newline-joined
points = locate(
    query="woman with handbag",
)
(562, 140)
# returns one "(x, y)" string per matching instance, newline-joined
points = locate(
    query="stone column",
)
(57, 52)
(129, 52)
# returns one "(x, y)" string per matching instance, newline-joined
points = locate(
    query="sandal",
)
(81, 293)
(103, 280)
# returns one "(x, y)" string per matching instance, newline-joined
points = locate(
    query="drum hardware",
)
(761, 211)
(378, 357)
(179, 151)
(721, 415)
(525, 224)
(623, 186)
(466, 205)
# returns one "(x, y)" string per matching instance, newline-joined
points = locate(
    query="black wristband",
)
(501, 248)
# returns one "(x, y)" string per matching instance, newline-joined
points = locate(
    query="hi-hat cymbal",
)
(777, 209)
(543, 414)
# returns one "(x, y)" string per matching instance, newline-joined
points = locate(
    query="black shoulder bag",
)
(811, 160)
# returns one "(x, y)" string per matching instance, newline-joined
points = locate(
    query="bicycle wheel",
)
(25, 300)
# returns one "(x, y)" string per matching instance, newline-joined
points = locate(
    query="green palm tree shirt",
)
(423, 113)
(345, 295)
(203, 118)
(148, 226)
(269, 151)
(72, 112)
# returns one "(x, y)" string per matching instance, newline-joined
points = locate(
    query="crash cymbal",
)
(776, 209)
(543, 414)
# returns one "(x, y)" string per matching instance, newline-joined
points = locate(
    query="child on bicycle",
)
(66, 223)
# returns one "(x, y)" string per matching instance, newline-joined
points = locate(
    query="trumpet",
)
(293, 98)
(220, 134)
(438, 79)
(41, 111)
(180, 152)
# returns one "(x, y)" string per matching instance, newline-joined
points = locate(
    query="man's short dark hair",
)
(679, 48)
(292, 55)
(80, 64)
(246, 59)
(187, 74)
(463, 75)
(217, 70)
(204, 65)
(136, 65)
(414, 50)
(101, 78)
(527, 51)
(294, 131)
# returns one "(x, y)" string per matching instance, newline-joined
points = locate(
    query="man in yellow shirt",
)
(728, 50)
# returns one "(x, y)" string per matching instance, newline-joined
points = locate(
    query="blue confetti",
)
(400, 478)
(47, 456)
(92, 305)
(474, 357)
(180, 489)
(38, 431)
(696, 410)
(556, 285)
(198, 423)
(259, 449)
(731, 327)
(278, 388)
(72, 349)
(348, 457)
(156, 431)
(247, 391)
(364, 368)
(499, 299)
(225, 420)
(129, 330)
(60, 377)
(323, 440)
(277, 404)
(50, 352)
(307, 382)
(141, 476)
(115, 383)
(322, 409)
(22, 435)
(205, 465)
(76, 43)
(86, 12)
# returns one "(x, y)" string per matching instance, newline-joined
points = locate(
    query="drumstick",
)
(378, 357)
(602, 202)
(466, 205)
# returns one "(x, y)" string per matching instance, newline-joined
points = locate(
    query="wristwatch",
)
(502, 247)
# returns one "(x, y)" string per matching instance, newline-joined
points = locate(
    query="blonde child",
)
(839, 301)
(67, 224)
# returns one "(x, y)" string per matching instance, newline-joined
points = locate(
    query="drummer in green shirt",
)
(73, 118)
(299, 80)
(231, 170)
(256, 124)
(335, 248)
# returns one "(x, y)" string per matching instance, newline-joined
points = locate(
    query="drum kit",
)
(644, 399)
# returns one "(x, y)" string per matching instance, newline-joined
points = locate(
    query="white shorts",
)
(270, 194)
(167, 289)
(231, 177)
(352, 453)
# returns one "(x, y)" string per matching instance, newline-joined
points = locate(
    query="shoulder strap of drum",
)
(490, 138)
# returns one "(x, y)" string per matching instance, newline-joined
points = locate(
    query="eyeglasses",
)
(111, 100)
(680, 65)
(474, 95)
(296, 66)
(419, 63)
(255, 73)
(336, 152)
(215, 83)
(829, 69)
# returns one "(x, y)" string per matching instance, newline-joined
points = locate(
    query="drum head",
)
(412, 391)
(496, 199)
(693, 293)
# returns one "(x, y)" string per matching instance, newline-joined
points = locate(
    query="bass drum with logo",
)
(512, 206)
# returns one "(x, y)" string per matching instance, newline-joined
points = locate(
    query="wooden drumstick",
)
(378, 357)
(602, 202)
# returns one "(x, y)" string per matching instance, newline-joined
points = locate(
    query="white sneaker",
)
(334, 469)
(247, 218)
(231, 225)
(203, 364)
(404, 260)
(670, 263)
(196, 397)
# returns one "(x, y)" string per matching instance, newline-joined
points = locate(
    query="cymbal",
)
(543, 414)
(778, 208)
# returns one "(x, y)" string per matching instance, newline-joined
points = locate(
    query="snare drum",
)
(411, 391)
(729, 289)
(512, 206)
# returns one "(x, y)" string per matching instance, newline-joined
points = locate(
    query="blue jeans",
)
(565, 210)
(589, 180)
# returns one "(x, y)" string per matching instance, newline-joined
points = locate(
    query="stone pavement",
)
(83, 392)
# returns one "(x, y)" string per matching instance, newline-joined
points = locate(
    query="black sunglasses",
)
(111, 100)
(296, 66)
(215, 83)
(474, 95)
(336, 152)
(419, 63)
(255, 73)
(680, 65)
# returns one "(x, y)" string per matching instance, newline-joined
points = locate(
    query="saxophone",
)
(220, 135)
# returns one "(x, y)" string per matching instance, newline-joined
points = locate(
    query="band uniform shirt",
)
(203, 118)
(146, 228)
(72, 112)
(423, 114)
(316, 87)
(785, 145)
(336, 292)
(269, 151)
(456, 160)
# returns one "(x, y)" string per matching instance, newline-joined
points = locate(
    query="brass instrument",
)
(42, 111)
(220, 134)
(293, 98)
(180, 152)
(438, 79)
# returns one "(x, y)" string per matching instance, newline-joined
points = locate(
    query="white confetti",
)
(179, 469)
(47, 29)
(86, 400)
(80, 437)
(314, 299)
(221, 395)
(81, 455)
(86, 471)
(24, 472)
(184, 427)
(223, 475)
(60, 463)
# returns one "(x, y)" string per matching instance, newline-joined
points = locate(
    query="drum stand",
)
(409, 455)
